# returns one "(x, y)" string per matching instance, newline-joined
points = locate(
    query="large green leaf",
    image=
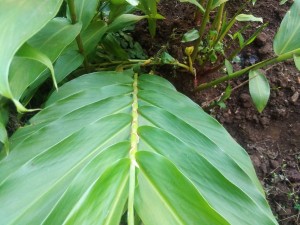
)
(109, 138)
(20, 20)
(288, 35)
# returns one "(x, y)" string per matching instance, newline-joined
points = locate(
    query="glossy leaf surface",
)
(50, 41)
(259, 89)
(20, 20)
(85, 11)
(28, 52)
(288, 35)
(73, 163)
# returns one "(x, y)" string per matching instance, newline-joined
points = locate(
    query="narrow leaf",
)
(217, 3)
(27, 51)
(123, 21)
(248, 17)
(229, 67)
(259, 89)
(196, 3)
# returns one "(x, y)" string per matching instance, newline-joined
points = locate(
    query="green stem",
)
(78, 38)
(228, 26)
(144, 63)
(134, 139)
(202, 29)
(219, 18)
(259, 65)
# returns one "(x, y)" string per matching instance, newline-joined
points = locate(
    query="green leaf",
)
(248, 17)
(254, 35)
(66, 63)
(123, 21)
(3, 139)
(191, 35)
(109, 138)
(282, 2)
(28, 52)
(4, 145)
(160, 189)
(70, 59)
(133, 2)
(288, 35)
(259, 89)
(196, 3)
(85, 11)
(112, 46)
(149, 7)
(51, 41)
(20, 20)
(167, 58)
(241, 40)
(297, 61)
(229, 67)
(217, 3)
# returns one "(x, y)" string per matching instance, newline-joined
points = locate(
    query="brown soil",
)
(272, 138)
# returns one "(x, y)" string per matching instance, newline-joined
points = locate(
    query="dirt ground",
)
(272, 138)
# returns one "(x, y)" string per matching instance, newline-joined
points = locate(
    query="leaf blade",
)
(259, 89)
(286, 39)
(10, 40)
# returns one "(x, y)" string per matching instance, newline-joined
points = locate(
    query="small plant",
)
(211, 50)
(112, 144)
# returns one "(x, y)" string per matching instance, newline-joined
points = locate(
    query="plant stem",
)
(78, 38)
(228, 26)
(202, 29)
(134, 139)
(219, 18)
(259, 65)
(147, 62)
